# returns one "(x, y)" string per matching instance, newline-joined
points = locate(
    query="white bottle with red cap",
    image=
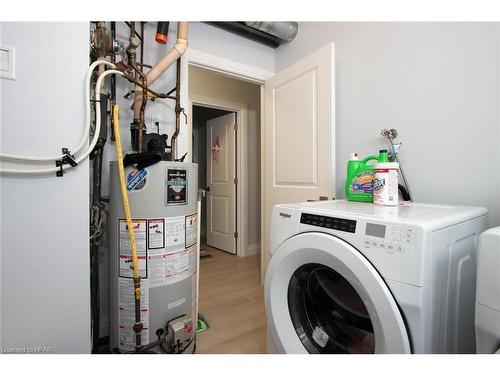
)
(385, 184)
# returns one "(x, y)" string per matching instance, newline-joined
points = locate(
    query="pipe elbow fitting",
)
(181, 46)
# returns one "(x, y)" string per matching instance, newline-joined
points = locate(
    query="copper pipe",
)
(139, 102)
(144, 65)
(130, 26)
(113, 80)
(132, 57)
(178, 110)
(158, 95)
(167, 60)
(142, 45)
(144, 94)
(143, 102)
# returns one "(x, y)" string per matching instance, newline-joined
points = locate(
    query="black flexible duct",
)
(95, 217)
(404, 193)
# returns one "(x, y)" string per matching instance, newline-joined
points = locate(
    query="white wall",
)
(215, 41)
(438, 84)
(44, 229)
(206, 83)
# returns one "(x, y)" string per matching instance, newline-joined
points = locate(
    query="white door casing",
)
(389, 329)
(298, 136)
(220, 181)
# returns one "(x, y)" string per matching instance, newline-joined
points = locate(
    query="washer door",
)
(323, 296)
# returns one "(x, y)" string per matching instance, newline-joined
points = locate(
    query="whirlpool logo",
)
(285, 215)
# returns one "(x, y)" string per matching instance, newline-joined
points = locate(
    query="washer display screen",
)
(375, 230)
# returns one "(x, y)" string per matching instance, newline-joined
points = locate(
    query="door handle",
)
(203, 191)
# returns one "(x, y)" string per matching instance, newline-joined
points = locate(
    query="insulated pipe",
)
(162, 32)
(85, 137)
(89, 149)
(162, 65)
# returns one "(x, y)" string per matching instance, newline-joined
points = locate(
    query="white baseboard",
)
(253, 249)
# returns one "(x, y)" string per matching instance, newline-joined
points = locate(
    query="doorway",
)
(224, 114)
(225, 141)
(214, 152)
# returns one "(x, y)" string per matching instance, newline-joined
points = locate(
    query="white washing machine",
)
(348, 277)
(488, 293)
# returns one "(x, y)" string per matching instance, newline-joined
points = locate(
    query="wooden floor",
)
(232, 300)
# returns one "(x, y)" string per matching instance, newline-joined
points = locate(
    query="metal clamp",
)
(67, 158)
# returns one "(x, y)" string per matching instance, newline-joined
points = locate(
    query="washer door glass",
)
(327, 313)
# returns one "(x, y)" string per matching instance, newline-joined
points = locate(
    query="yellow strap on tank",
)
(126, 207)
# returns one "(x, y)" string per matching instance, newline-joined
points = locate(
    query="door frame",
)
(236, 70)
(241, 161)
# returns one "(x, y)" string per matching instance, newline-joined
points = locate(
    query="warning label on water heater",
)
(125, 249)
(156, 233)
(126, 313)
(191, 230)
(175, 261)
(176, 187)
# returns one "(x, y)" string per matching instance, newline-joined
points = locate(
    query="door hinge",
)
(235, 127)
(235, 234)
(236, 180)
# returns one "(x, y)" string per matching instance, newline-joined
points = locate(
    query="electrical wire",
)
(101, 225)
(89, 149)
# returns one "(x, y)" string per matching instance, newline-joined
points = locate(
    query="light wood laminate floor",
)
(232, 300)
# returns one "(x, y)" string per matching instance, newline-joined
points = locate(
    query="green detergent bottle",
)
(359, 181)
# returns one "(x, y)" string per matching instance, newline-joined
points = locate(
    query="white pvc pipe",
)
(89, 149)
(85, 136)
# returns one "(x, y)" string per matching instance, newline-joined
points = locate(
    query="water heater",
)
(163, 202)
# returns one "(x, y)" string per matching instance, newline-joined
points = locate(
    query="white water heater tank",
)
(163, 203)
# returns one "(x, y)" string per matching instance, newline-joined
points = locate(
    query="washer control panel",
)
(390, 238)
(330, 222)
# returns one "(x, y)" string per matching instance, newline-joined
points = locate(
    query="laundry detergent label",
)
(176, 187)
(362, 183)
(136, 179)
(385, 187)
(378, 184)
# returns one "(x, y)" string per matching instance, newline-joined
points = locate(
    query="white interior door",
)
(221, 194)
(298, 136)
